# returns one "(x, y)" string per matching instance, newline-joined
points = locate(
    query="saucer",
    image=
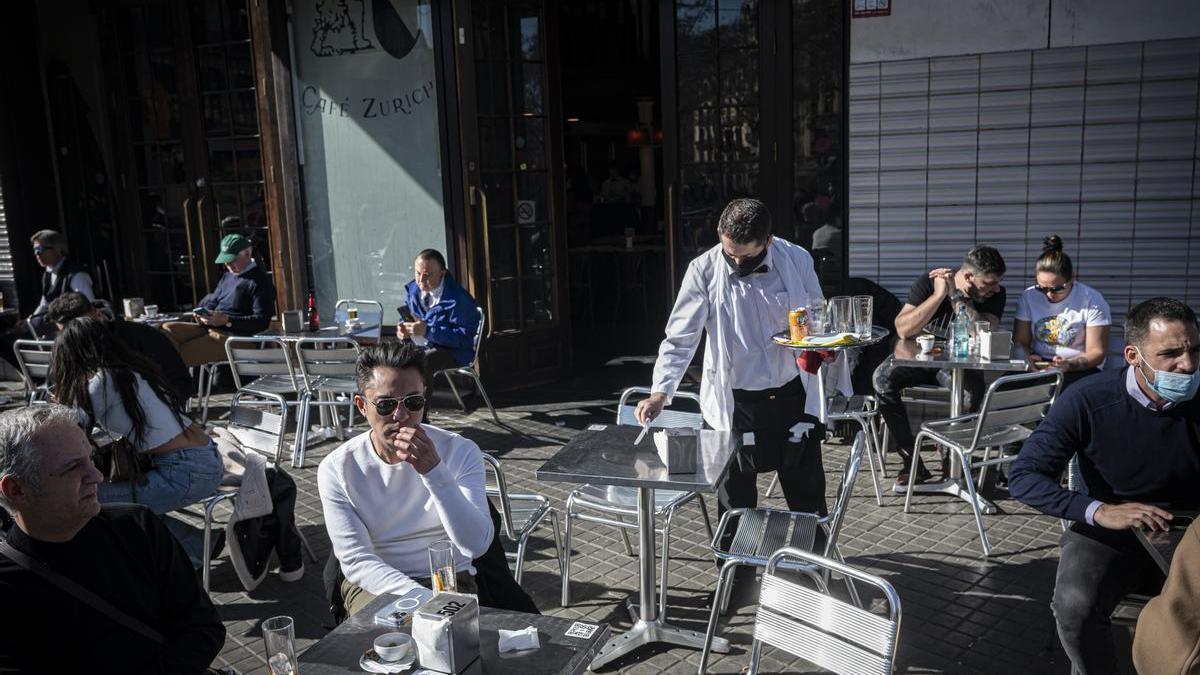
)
(371, 662)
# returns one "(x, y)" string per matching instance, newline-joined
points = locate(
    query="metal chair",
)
(520, 515)
(1011, 406)
(268, 361)
(327, 370)
(759, 533)
(815, 626)
(471, 371)
(372, 319)
(255, 430)
(33, 360)
(615, 503)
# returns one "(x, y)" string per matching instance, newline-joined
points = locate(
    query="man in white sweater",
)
(390, 492)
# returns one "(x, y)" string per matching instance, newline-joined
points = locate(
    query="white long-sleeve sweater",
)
(382, 517)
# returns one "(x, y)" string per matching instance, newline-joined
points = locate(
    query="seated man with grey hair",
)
(88, 588)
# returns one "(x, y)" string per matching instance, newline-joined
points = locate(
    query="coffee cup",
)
(926, 343)
(393, 646)
(151, 311)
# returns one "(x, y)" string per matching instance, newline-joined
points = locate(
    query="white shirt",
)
(760, 310)
(433, 297)
(382, 517)
(1060, 328)
(81, 282)
(162, 424)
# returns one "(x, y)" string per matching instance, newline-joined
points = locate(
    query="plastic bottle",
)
(960, 332)
(314, 317)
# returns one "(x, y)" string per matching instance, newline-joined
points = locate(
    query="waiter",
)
(739, 293)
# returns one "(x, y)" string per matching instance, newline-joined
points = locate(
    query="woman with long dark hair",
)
(1062, 323)
(127, 395)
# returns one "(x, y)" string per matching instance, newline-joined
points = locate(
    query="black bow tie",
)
(761, 269)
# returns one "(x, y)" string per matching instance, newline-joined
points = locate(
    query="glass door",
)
(512, 160)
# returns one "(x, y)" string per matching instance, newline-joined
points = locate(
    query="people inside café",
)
(139, 337)
(1133, 432)
(243, 303)
(391, 491)
(1062, 323)
(932, 302)
(126, 395)
(117, 593)
(444, 316)
(737, 294)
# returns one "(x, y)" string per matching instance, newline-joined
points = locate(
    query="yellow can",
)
(798, 324)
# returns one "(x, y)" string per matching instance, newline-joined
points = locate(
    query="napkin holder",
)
(292, 322)
(995, 345)
(446, 630)
(134, 307)
(678, 448)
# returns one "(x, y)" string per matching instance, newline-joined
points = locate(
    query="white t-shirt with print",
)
(1060, 328)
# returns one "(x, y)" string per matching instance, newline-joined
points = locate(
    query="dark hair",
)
(68, 306)
(398, 355)
(85, 347)
(1137, 320)
(1054, 260)
(432, 254)
(51, 239)
(984, 260)
(745, 221)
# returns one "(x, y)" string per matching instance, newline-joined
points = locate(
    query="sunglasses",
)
(1050, 289)
(39, 249)
(387, 405)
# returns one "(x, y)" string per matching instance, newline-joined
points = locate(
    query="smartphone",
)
(405, 315)
(202, 311)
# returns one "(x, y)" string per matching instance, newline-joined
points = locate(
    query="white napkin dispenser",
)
(134, 307)
(678, 448)
(995, 345)
(446, 630)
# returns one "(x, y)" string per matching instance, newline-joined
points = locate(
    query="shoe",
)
(294, 575)
(923, 476)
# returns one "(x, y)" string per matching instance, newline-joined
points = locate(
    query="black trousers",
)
(770, 414)
(1094, 574)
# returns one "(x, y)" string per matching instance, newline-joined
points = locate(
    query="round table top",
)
(878, 333)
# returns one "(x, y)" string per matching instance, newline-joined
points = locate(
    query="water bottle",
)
(960, 333)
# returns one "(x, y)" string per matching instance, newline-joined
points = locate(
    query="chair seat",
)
(842, 408)
(959, 433)
(761, 532)
(527, 510)
(337, 385)
(617, 497)
(275, 384)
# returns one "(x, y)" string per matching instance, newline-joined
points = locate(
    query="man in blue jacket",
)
(1136, 433)
(242, 304)
(445, 317)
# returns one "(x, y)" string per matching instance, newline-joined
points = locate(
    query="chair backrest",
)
(326, 357)
(251, 357)
(493, 464)
(841, 503)
(370, 313)
(477, 342)
(257, 429)
(667, 419)
(815, 626)
(1017, 399)
(33, 359)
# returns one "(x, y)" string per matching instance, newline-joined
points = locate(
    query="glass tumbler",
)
(840, 319)
(441, 566)
(280, 640)
(863, 307)
(818, 317)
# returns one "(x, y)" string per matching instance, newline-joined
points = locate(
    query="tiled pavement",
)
(961, 613)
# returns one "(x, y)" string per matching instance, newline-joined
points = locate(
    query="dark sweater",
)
(128, 557)
(1127, 452)
(248, 299)
(156, 346)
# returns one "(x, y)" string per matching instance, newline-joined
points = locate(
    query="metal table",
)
(908, 353)
(327, 330)
(606, 455)
(559, 654)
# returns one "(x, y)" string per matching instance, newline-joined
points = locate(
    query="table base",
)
(953, 488)
(648, 632)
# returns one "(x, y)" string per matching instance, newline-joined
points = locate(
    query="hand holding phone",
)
(405, 315)
(202, 311)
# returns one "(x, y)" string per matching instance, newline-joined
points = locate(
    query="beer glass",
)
(280, 639)
(863, 307)
(818, 317)
(441, 566)
(840, 320)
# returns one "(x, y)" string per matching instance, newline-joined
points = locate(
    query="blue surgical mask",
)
(1174, 387)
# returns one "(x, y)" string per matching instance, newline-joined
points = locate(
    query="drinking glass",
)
(979, 330)
(441, 566)
(818, 317)
(280, 639)
(840, 320)
(863, 309)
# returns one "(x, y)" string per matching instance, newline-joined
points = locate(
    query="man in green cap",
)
(242, 304)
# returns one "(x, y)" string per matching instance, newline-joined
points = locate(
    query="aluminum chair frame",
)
(813, 625)
(540, 509)
(471, 371)
(39, 368)
(1003, 418)
(617, 510)
(761, 532)
(261, 438)
(273, 374)
(327, 367)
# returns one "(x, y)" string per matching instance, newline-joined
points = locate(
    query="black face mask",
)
(747, 266)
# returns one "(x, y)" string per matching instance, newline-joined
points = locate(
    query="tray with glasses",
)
(844, 340)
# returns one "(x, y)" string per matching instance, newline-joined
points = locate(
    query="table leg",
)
(649, 628)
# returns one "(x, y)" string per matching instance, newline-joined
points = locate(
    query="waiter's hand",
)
(1131, 515)
(649, 408)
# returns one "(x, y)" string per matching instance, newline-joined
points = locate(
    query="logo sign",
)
(526, 211)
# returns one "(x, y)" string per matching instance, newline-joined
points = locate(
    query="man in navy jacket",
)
(444, 315)
(1136, 433)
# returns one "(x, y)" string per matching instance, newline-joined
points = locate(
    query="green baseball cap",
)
(232, 245)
